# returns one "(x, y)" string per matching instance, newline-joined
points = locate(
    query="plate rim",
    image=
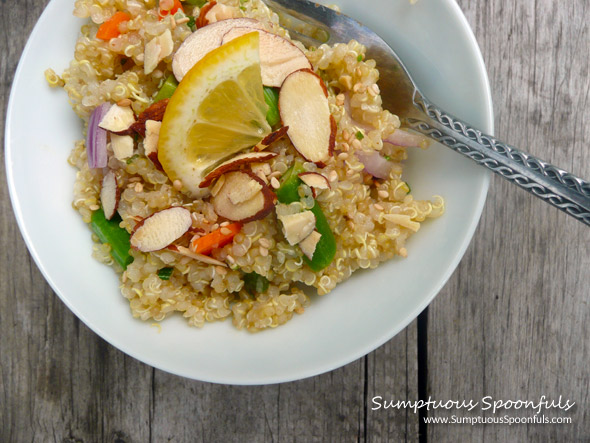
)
(386, 336)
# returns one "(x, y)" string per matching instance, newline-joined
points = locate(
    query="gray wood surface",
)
(512, 322)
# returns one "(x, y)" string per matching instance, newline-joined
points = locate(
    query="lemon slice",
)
(217, 110)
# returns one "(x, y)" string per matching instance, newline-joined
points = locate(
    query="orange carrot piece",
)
(216, 239)
(110, 28)
(177, 7)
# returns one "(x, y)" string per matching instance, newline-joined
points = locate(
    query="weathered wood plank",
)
(512, 322)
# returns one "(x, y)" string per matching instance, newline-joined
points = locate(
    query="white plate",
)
(435, 41)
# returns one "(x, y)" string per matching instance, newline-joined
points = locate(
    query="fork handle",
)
(557, 187)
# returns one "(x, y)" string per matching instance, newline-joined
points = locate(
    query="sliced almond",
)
(234, 163)
(150, 142)
(254, 208)
(122, 146)
(271, 138)
(109, 194)
(278, 56)
(118, 118)
(203, 41)
(152, 134)
(308, 244)
(200, 257)
(160, 229)
(304, 108)
(156, 50)
(314, 180)
(297, 226)
(244, 193)
(213, 12)
(201, 20)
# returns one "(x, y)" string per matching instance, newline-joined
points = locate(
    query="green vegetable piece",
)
(359, 135)
(288, 193)
(271, 97)
(359, 58)
(290, 181)
(109, 232)
(165, 273)
(167, 89)
(409, 189)
(326, 248)
(255, 283)
(192, 23)
(387, 157)
(198, 3)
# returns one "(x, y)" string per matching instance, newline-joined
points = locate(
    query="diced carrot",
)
(175, 8)
(215, 239)
(110, 28)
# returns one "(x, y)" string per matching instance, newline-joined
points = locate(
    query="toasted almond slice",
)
(109, 194)
(160, 229)
(304, 108)
(118, 118)
(297, 226)
(278, 56)
(152, 133)
(213, 12)
(309, 244)
(150, 142)
(234, 163)
(255, 208)
(200, 257)
(244, 193)
(204, 40)
(271, 138)
(201, 20)
(314, 180)
(122, 146)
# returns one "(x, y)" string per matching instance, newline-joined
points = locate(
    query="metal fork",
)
(401, 96)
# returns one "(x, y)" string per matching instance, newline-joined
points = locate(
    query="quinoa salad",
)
(226, 170)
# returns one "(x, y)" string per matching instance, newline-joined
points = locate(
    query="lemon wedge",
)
(217, 110)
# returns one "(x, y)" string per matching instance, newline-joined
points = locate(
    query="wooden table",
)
(511, 323)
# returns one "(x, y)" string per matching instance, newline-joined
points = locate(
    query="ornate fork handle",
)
(559, 188)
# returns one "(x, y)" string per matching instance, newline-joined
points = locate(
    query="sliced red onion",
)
(375, 164)
(404, 138)
(96, 139)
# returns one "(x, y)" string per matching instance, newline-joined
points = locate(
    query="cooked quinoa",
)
(370, 218)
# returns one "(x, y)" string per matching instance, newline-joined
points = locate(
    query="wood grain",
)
(512, 322)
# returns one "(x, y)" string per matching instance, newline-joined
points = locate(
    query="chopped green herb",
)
(165, 273)
(255, 283)
(387, 157)
(133, 157)
(359, 135)
(191, 23)
(409, 189)
(359, 58)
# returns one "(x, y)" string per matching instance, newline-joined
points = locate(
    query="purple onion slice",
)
(96, 139)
